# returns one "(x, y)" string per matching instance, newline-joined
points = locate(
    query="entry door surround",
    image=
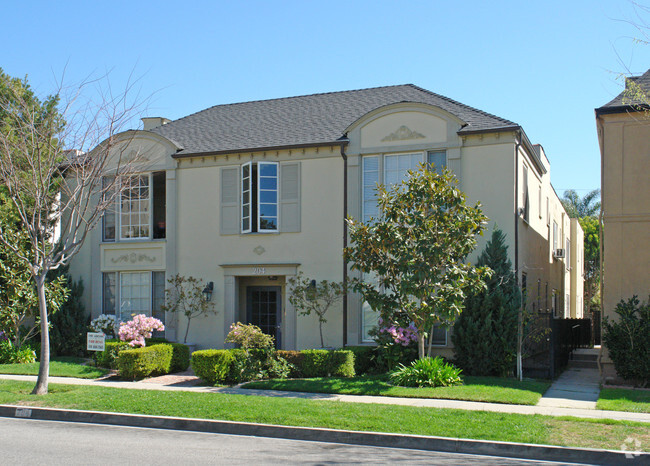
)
(284, 272)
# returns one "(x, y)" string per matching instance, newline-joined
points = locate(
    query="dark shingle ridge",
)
(622, 102)
(303, 120)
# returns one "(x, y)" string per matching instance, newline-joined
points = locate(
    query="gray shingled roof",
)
(623, 102)
(311, 119)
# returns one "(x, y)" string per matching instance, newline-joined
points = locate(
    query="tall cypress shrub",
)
(485, 334)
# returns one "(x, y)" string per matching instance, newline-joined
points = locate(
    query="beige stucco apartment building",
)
(624, 136)
(247, 195)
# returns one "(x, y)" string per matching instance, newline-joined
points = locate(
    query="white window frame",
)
(117, 210)
(539, 200)
(363, 180)
(277, 197)
(119, 281)
(567, 257)
(258, 197)
(150, 211)
(381, 168)
(250, 198)
(437, 151)
(556, 233)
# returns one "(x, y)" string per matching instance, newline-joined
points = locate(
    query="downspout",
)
(345, 245)
(520, 317)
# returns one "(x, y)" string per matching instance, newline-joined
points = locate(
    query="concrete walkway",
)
(576, 388)
(185, 382)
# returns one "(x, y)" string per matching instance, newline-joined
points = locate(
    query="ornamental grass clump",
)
(137, 329)
(427, 372)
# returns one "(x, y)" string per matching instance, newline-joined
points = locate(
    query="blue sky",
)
(545, 65)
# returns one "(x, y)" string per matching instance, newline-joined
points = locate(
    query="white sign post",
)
(95, 341)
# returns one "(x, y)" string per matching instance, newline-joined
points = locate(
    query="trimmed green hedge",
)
(364, 359)
(180, 357)
(142, 362)
(108, 357)
(295, 358)
(325, 363)
(212, 365)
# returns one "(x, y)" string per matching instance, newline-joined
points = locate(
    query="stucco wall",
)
(625, 144)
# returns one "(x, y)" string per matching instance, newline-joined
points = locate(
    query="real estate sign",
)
(95, 341)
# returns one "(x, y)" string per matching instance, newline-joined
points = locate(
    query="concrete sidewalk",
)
(183, 383)
(576, 387)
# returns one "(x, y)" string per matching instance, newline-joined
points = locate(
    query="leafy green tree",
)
(579, 207)
(70, 322)
(485, 334)
(314, 297)
(591, 228)
(54, 188)
(417, 251)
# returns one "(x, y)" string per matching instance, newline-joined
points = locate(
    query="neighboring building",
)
(624, 137)
(247, 195)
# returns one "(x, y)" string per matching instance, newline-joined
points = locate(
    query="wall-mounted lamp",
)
(312, 284)
(207, 291)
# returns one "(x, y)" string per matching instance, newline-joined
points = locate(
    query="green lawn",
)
(621, 399)
(490, 389)
(59, 367)
(328, 414)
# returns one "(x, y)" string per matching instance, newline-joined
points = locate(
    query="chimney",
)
(153, 122)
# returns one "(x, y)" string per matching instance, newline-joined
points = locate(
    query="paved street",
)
(30, 442)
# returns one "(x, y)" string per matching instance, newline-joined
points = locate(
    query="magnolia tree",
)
(309, 296)
(416, 251)
(55, 154)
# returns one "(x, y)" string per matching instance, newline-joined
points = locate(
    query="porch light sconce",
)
(207, 291)
(312, 284)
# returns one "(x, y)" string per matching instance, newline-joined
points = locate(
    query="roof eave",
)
(623, 109)
(338, 142)
(500, 129)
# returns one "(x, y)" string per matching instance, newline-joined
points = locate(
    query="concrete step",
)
(583, 364)
(584, 357)
(595, 350)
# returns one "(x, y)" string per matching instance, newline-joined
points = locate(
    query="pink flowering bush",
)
(396, 344)
(401, 335)
(137, 329)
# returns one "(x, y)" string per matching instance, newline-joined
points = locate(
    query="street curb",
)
(378, 439)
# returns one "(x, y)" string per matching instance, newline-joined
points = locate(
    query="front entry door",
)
(263, 308)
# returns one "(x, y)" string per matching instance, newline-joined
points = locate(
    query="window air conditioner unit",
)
(559, 253)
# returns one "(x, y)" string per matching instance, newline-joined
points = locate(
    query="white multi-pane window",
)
(129, 293)
(567, 258)
(370, 181)
(555, 236)
(395, 168)
(437, 160)
(139, 204)
(135, 208)
(259, 195)
(135, 294)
